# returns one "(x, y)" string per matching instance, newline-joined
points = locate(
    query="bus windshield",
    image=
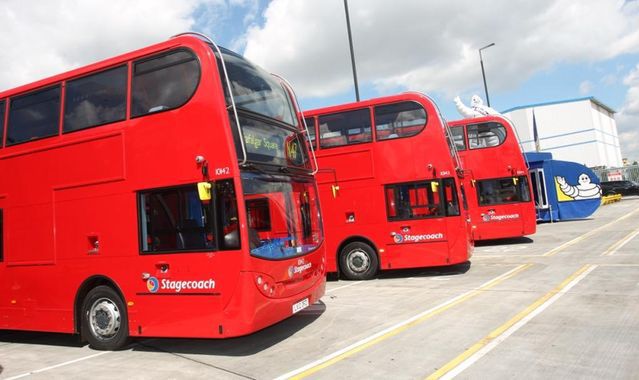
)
(255, 90)
(503, 190)
(282, 213)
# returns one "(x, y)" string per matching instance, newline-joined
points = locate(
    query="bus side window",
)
(226, 210)
(175, 219)
(310, 123)
(458, 137)
(399, 120)
(463, 194)
(391, 209)
(2, 105)
(163, 82)
(450, 197)
(34, 116)
(95, 99)
(1, 235)
(415, 200)
(344, 128)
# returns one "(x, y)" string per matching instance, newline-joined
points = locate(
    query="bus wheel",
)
(358, 261)
(104, 319)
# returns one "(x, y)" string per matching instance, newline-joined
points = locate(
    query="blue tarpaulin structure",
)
(562, 190)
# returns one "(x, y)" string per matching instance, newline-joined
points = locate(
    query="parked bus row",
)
(175, 191)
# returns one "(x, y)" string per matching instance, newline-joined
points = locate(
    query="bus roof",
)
(411, 95)
(104, 64)
(479, 119)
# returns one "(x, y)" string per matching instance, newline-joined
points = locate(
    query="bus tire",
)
(104, 319)
(358, 261)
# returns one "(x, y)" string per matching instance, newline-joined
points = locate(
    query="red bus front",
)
(385, 203)
(270, 213)
(496, 176)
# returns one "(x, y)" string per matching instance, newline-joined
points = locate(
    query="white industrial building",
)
(580, 130)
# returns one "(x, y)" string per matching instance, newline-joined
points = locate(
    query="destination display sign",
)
(277, 146)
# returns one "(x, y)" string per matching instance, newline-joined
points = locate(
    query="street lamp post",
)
(483, 74)
(350, 43)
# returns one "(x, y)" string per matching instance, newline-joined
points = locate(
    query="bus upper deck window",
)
(34, 115)
(486, 135)
(2, 105)
(344, 128)
(310, 124)
(458, 137)
(164, 82)
(399, 120)
(95, 99)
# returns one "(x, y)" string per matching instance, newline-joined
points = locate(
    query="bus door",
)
(502, 205)
(417, 231)
(187, 238)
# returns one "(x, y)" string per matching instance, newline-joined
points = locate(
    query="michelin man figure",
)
(476, 109)
(584, 190)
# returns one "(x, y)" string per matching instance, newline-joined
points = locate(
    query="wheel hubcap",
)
(358, 261)
(104, 318)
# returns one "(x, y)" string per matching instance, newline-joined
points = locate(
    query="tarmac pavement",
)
(562, 303)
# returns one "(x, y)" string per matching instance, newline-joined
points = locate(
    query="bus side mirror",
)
(204, 191)
(434, 186)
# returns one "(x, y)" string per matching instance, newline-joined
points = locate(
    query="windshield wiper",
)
(252, 166)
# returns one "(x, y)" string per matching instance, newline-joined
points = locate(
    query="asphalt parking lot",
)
(560, 304)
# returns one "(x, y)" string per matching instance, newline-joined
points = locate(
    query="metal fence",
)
(612, 174)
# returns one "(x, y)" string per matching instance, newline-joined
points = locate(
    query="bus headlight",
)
(265, 284)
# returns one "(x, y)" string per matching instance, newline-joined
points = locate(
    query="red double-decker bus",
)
(129, 194)
(498, 187)
(390, 192)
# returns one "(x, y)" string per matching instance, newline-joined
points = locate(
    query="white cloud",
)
(628, 117)
(585, 87)
(306, 42)
(432, 45)
(43, 38)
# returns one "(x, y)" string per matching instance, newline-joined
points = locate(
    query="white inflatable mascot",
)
(476, 109)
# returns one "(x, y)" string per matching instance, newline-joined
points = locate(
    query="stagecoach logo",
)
(399, 238)
(299, 268)
(491, 217)
(152, 284)
(177, 286)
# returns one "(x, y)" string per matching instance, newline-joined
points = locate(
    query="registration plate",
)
(303, 304)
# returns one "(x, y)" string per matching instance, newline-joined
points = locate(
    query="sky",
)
(545, 50)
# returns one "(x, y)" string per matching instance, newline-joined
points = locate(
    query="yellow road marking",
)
(556, 250)
(472, 354)
(363, 344)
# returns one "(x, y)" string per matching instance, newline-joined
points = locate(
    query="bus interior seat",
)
(193, 234)
(333, 141)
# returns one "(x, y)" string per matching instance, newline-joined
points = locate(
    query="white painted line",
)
(502, 337)
(621, 243)
(503, 256)
(59, 365)
(379, 335)
(556, 250)
(345, 286)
